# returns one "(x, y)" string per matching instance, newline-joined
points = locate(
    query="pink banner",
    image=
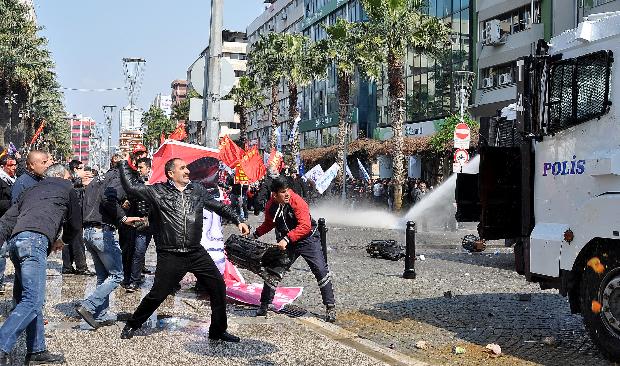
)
(238, 290)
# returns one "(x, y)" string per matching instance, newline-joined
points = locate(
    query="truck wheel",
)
(600, 302)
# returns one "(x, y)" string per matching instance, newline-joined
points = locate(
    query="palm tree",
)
(265, 63)
(28, 87)
(303, 62)
(246, 95)
(349, 48)
(402, 24)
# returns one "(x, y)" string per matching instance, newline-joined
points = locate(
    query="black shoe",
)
(4, 359)
(226, 337)
(84, 272)
(107, 323)
(127, 332)
(43, 358)
(330, 313)
(262, 310)
(132, 288)
(146, 270)
(68, 271)
(87, 316)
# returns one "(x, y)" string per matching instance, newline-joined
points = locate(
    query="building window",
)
(514, 21)
(498, 75)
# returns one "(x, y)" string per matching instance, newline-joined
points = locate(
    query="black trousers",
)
(311, 251)
(74, 252)
(127, 242)
(170, 270)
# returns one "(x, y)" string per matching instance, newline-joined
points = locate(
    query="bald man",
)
(37, 162)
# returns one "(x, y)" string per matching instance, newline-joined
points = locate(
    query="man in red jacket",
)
(296, 232)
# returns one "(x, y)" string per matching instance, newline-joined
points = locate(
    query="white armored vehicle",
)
(549, 182)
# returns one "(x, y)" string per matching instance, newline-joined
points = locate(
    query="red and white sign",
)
(462, 136)
(461, 157)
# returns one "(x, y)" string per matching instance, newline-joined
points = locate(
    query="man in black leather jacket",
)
(176, 216)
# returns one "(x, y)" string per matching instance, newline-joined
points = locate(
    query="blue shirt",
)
(22, 183)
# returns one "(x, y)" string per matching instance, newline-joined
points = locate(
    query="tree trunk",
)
(344, 84)
(396, 94)
(243, 126)
(274, 117)
(293, 112)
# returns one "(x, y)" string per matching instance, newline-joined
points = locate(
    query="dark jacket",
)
(22, 183)
(5, 196)
(176, 216)
(292, 220)
(102, 200)
(44, 208)
(296, 184)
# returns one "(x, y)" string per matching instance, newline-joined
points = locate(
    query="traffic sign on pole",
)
(462, 136)
(461, 157)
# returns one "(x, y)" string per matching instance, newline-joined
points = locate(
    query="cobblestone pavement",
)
(375, 302)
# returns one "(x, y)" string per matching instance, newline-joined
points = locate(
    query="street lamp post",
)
(108, 111)
(212, 96)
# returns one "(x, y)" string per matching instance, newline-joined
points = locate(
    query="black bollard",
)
(410, 251)
(323, 232)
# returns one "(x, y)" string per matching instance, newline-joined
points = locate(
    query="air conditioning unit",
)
(505, 79)
(493, 33)
(487, 83)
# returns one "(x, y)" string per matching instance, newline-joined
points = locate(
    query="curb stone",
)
(360, 344)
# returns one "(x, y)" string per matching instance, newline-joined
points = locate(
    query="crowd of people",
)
(46, 207)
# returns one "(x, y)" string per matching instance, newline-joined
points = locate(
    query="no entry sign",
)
(462, 136)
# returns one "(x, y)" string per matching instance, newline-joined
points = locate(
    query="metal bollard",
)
(410, 251)
(323, 232)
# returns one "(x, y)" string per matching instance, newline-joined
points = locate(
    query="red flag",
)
(176, 149)
(252, 165)
(162, 138)
(230, 153)
(275, 160)
(36, 134)
(179, 133)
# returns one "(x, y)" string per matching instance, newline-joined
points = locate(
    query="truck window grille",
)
(579, 90)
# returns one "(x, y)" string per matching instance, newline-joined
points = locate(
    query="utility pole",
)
(212, 96)
(108, 111)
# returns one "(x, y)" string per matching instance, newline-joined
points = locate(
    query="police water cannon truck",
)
(549, 180)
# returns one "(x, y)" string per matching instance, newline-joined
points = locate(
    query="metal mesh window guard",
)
(579, 90)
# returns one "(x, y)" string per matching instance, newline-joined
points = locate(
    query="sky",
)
(88, 40)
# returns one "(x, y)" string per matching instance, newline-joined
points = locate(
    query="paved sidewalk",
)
(177, 333)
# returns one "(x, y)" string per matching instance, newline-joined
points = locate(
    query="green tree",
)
(28, 88)
(155, 122)
(350, 48)
(180, 112)
(303, 62)
(266, 65)
(246, 95)
(402, 24)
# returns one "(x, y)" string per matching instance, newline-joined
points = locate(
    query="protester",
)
(177, 211)
(127, 233)
(143, 234)
(36, 163)
(8, 167)
(32, 227)
(102, 216)
(296, 232)
(75, 252)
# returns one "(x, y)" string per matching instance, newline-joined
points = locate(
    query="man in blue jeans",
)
(102, 215)
(32, 227)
